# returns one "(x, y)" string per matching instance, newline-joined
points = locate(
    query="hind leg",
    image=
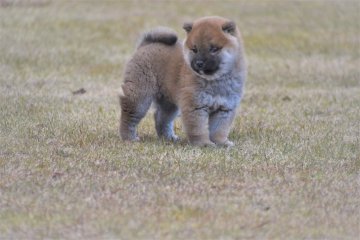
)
(165, 115)
(133, 109)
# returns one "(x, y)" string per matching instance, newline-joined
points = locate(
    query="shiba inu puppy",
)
(202, 77)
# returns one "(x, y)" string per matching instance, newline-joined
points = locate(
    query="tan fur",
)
(163, 72)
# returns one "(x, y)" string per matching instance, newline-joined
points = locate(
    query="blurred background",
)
(64, 173)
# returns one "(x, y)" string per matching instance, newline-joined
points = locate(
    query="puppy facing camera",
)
(201, 77)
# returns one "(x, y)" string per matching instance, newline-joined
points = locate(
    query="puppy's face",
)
(211, 47)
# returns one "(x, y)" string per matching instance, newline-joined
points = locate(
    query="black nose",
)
(199, 64)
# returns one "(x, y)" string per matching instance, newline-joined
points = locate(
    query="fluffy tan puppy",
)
(203, 77)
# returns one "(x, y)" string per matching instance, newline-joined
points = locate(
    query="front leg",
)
(219, 127)
(196, 124)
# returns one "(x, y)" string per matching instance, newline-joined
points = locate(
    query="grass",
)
(64, 173)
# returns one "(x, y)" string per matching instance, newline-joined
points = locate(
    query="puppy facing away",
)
(202, 78)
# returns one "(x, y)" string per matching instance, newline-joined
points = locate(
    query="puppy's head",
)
(211, 47)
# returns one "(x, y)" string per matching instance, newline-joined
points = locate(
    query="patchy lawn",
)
(64, 172)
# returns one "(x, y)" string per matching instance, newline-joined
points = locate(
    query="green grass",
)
(64, 173)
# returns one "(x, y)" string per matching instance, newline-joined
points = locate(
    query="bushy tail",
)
(158, 35)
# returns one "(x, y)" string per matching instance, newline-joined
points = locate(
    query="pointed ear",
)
(187, 27)
(229, 27)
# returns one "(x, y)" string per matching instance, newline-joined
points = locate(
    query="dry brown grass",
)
(64, 173)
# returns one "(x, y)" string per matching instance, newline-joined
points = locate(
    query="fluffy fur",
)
(203, 77)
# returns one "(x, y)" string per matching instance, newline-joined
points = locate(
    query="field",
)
(294, 172)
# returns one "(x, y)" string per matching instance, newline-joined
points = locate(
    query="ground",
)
(64, 173)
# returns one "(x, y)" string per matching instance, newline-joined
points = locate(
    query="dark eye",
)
(214, 49)
(194, 49)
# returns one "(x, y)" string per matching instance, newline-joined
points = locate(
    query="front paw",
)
(226, 143)
(174, 138)
(131, 139)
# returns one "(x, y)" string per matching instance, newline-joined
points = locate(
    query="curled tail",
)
(158, 35)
